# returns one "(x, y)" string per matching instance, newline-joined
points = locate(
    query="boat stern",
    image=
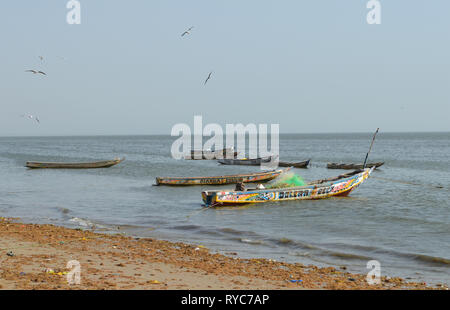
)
(209, 198)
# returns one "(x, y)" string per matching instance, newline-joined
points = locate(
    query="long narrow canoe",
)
(221, 180)
(246, 162)
(353, 166)
(341, 185)
(202, 155)
(301, 164)
(88, 165)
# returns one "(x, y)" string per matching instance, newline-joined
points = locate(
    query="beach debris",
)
(199, 247)
(207, 79)
(351, 279)
(296, 281)
(187, 31)
(53, 272)
(22, 273)
(10, 253)
(153, 282)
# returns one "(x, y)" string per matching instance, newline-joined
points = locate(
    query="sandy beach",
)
(35, 257)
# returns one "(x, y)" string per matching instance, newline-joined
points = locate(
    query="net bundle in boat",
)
(287, 180)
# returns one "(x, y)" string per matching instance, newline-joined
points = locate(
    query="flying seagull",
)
(41, 58)
(187, 31)
(209, 76)
(36, 72)
(32, 117)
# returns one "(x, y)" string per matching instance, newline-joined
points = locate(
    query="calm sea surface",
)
(400, 216)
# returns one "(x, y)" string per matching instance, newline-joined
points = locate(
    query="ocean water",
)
(400, 216)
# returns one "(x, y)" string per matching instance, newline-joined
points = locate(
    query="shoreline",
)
(35, 256)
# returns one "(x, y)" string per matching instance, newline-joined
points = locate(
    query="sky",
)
(310, 66)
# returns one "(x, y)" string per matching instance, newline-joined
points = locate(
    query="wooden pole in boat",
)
(367, 155)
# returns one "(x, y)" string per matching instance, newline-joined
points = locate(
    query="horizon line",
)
(281, 133)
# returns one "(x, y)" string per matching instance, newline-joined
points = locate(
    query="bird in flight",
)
(36, 72)
(209, 76)
(41, 58)
(32, 117)
(187, 31)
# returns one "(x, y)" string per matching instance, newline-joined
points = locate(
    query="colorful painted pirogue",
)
(341, 185)
(353, 166)
(221, 180)
(89, 165)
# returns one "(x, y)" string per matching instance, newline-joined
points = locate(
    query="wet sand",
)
(35, 257)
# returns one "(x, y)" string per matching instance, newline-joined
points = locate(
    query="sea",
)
(399, 217)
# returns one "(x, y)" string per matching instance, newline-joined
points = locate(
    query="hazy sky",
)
(310, 66)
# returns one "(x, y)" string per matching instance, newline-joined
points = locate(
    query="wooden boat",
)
(245, 161)
(301, 164)
(210, 155)
(221, 180)
(353, 166)
(341, 185)
(87, 165)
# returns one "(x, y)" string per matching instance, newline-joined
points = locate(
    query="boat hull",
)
(302, 164)
(245, 162)
(211, 155)
(91, 165)
(318, 190)
(220, 180)
(353, 166)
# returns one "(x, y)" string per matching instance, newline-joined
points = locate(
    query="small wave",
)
(82, 222)
(347, 255)
(250, 241)
(432, 259)
(231, 231)
(302, 254)
(187, 227)
(292, 243)
(63, 210)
